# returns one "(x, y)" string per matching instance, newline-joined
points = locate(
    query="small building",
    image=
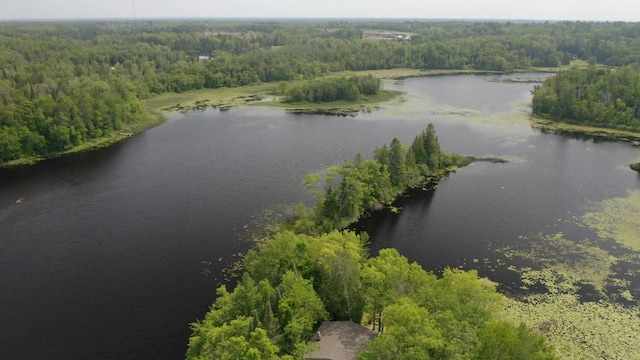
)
(340, 340)
(203, 58)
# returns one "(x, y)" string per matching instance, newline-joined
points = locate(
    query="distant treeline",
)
(65, 83)
(310, 271)
(333, 89)
(595, 96)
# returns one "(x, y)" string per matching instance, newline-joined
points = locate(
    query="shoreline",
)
(555, 127)
(265, 94)
(160, 106)
(574, 130)
(153, 119)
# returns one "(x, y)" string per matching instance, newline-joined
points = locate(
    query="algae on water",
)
(581, 296)
(561, 265)
(617, 219)
(581, 330)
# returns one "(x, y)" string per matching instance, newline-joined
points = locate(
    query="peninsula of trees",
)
(68, 85)
(344, 193)
(595, 96)
(311, 271)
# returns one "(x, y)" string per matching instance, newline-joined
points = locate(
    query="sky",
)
(583, 10)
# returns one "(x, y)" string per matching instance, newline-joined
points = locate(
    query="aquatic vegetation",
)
(586, 302)
(562, 265)
(617, 219)
(578, 329)
(552, 127)
(581, 330)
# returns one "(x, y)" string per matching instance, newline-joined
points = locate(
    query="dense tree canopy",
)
(62, 84)
(333, 89)
(320, 277)
(595, 96)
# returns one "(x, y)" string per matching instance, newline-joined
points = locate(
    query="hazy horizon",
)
(542, 10)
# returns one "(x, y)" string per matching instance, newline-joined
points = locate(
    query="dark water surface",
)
(115, 251)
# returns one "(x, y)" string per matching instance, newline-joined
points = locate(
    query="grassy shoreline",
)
(160, 106)
(265, 94)
(366, 103)
(555, 127)
(153, 118)
(566, 129)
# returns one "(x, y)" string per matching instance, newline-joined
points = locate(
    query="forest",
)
(310, 271)
(333, 89)
(595, 96)
(68, 84)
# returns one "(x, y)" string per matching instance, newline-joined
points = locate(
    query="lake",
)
(114, 252)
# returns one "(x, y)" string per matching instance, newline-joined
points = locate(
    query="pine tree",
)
(433, 148)
(397, 166)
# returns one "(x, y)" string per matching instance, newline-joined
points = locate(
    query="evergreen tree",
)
(432, 148)
(381, 154)
(397, 167)
(419, 150)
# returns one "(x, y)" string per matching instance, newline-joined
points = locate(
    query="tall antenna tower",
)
(133, 4)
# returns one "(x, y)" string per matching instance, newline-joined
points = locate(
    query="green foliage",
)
(410, 333)
(461, 294)
(351, 190)
(293, 282)
(635, 166)
(595, 96)
(332, 261)
(397, 164)
(340, 258)
(454, 317)
(389, 276)
(503, 340)
(64, 84)
(258, 320)
(432, 148)
(238, 325)
(299, 308)
(233, 340)
(333, 89)
(363, 184)
(285, 251)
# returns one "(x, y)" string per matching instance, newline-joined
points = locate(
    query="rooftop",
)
(340, 340)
